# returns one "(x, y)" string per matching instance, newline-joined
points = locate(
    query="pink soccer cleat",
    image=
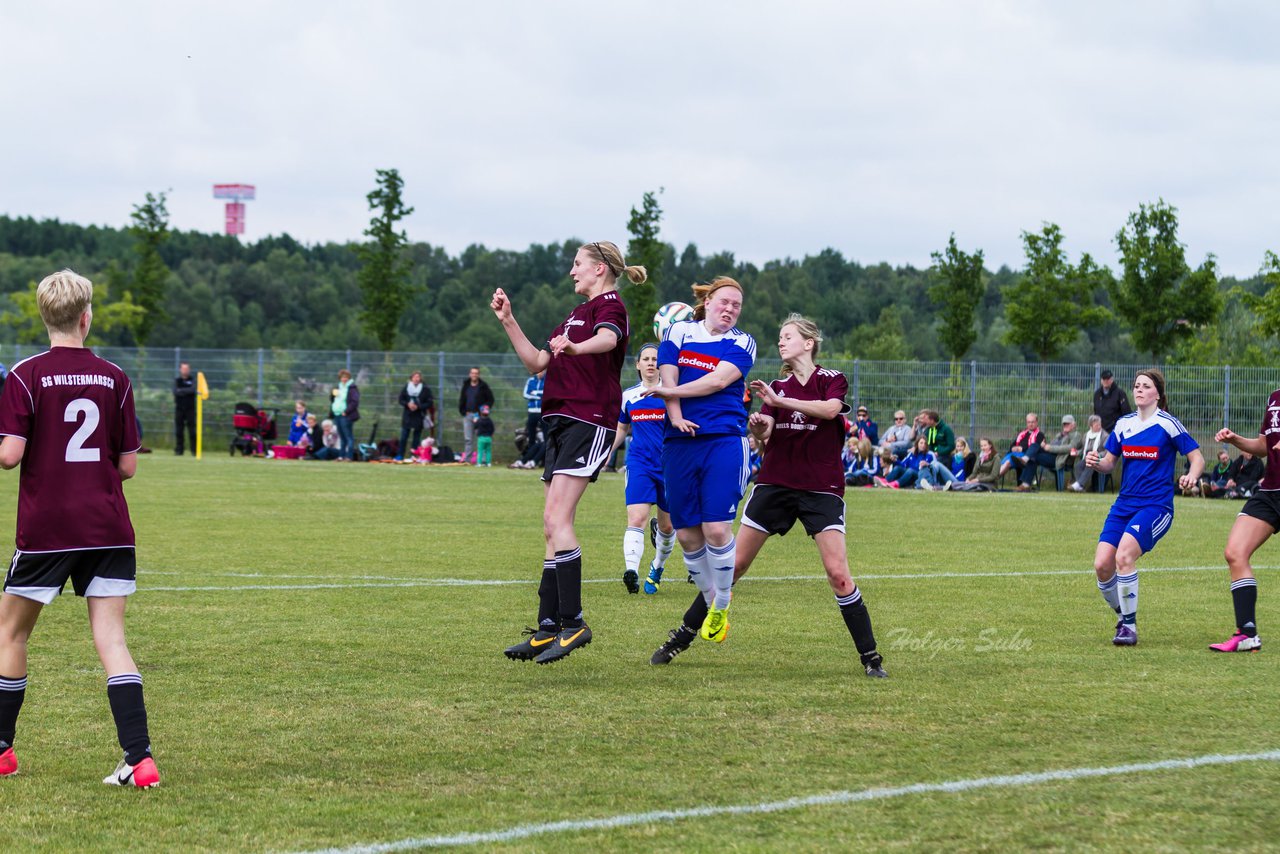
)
(143, 775)
(1239, 642)
(8, 762)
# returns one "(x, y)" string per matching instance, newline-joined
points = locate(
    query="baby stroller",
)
(254, 427)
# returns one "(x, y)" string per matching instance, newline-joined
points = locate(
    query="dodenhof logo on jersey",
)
(697, 360)
(1141, 452)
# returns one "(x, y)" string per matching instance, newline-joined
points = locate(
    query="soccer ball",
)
(670, 313)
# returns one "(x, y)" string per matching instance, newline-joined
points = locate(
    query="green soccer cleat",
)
(654, 580)
(716, 626)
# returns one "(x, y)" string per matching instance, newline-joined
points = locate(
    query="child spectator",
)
(298, 425)
(963, 460)
(484, 437)
(755, 459)
(425, 451)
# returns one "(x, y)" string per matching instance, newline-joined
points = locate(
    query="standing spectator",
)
(1110, 402)
(533, 395)
(184, 408)
(897, 439)
(415, 399)
(73, 520)
(474, 394)
(346, 412)
(484, 437)
(865, 428)
(298, 424)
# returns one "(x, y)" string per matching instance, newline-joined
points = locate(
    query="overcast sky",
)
(776, 128)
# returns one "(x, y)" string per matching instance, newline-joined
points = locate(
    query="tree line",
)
(169, 288)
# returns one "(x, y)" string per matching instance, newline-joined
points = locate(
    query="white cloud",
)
(776, 130)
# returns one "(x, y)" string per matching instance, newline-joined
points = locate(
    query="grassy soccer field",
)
(321, 645)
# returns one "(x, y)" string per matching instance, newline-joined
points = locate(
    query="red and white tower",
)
(236, 194)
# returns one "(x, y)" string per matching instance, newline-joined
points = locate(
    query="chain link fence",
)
(975, 398)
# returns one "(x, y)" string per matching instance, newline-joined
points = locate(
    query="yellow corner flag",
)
(202, 394)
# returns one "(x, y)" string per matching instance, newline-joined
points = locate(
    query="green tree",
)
(29, 327)
(1267, 306)
(1052, 301)
(885, 340)
(1161, 298)
(649, 252)
(386, 266)
(150, 230)
(957, 292)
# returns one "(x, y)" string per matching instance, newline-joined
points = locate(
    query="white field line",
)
(356, 582)
(524, 831)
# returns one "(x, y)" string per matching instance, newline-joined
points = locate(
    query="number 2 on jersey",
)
(76, 451)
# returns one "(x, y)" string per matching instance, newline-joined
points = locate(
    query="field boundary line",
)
(524, 831)
(357, 582)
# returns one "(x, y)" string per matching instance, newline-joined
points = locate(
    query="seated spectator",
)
(1022, 447)
(849, 455)
(1058, 455)
(898, 438)
(1213, 483)
(942, 439)
(1243, 476)
(986, 469)
(425, 450)
(920, 469)
(865, 428)
(1094, 440)
(866, 465)
(963, 460)
(312, 429)
(298, 424)
(328, 445)
(890, 469)
(534, 452)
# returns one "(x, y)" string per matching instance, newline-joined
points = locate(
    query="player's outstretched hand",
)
(561, 344)
(1091, 460)
(758, 423)
(1187, 482)
(764, 391)
(1224, 435)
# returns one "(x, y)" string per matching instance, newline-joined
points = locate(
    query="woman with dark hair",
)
(1149, 439)
(580, 403)
(415, 399)
(644, 417)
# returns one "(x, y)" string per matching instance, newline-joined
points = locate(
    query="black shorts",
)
(774, 509)
(575, 447)
(93, 572)
(1264, 506)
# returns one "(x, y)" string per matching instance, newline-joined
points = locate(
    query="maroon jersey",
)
(589, 388)
(75, 411)
(1271, 435)
(803, 451)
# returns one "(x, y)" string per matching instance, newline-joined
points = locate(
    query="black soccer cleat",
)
(631, 581)
(653, 532)
(535, 643)
(566, 642)
(677, 642)
(874, 664)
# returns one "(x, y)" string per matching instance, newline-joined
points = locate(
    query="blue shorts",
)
(1145, 524)
(705, 478)
(644, 486)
